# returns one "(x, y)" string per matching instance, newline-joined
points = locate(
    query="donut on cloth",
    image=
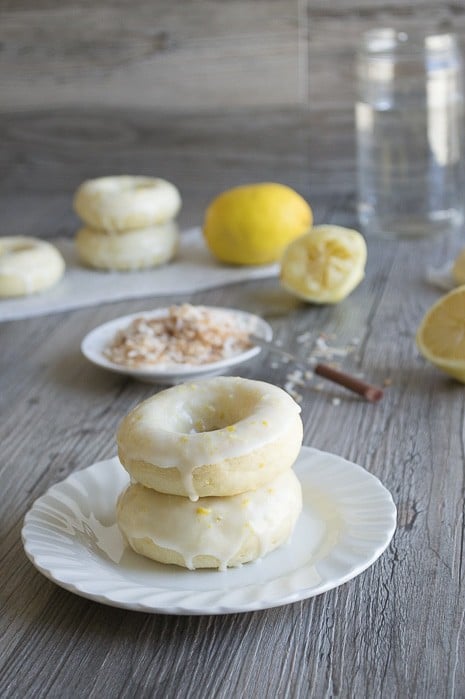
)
(219, 436)
(28, 265)
(215, 532)
(136, 249)
(125, 202)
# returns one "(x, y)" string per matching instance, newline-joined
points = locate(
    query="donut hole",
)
(123, 183)
(22, 247)
(222, 410)
(107, 184)
(144, 185)
(116, 184)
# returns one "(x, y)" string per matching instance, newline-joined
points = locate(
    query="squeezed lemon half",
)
(441, 334)
(324, 265)
(252, 224)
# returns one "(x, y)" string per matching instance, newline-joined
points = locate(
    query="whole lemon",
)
(253, 224)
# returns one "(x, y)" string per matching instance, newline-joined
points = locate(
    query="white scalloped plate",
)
(71, 536)
(95, 342)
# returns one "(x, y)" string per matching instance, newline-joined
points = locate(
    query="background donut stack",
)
(182, 509)
(129, 222)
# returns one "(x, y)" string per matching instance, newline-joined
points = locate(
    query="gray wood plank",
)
(200, 153)
(394, 631)
(165, 55)
(195, 56)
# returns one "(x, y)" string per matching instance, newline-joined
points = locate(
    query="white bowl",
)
(95, 342)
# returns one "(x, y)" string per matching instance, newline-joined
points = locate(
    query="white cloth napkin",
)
(194, 269)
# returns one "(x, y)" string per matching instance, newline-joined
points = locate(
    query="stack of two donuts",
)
(212, 484)
(129, 222)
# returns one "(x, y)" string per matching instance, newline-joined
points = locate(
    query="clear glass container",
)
(408, 117)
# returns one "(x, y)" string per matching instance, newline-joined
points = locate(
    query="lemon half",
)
(253, 224)
(441, 334)
(324, 265)
(458, 268)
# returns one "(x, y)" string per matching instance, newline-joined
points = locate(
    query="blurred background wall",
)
(193, 55)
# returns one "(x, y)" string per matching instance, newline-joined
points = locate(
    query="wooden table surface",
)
(396, 630)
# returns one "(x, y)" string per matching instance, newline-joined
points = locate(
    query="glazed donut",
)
(215, 532)
(219, 436)
(137, 249)
(28, 265)
(124, 202)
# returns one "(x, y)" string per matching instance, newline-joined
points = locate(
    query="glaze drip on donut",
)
(218, 532)
(215, 422)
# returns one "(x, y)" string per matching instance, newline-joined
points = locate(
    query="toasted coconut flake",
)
(186, 335)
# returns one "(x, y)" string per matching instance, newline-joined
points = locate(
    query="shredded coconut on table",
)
(186, 335)
(321, 350)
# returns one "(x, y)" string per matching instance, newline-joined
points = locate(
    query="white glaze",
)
(28, 265)
(201, 423)
(126, 202)
(131, 250)
(215, 526)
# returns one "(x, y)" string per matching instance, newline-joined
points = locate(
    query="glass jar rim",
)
(386, 41)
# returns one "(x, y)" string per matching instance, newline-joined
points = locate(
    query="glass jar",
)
(409, 134)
